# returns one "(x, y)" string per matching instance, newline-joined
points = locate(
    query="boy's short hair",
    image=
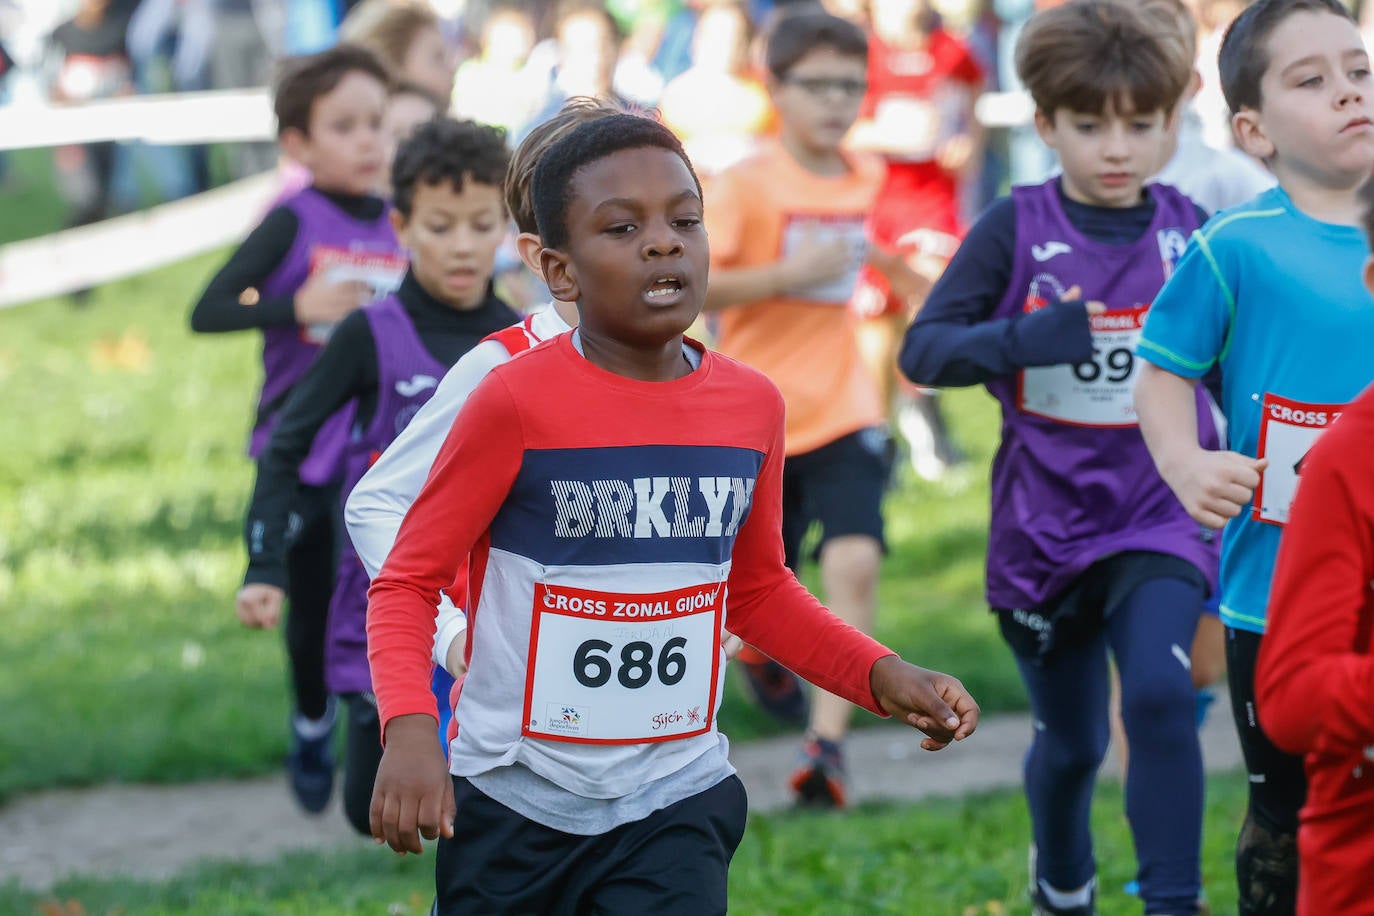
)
(794, 35)
(1175, 14)
(1087, 54)
(1366, 195)
(584, 145)
(520, 177)
(443, 149)
(1244, 57)
(305, 79)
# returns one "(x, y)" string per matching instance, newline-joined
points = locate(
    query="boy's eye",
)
(687, 222)
(438, 229)
(1141, 127)
(1359, 73)
(620, 229)
(1085, 127)
(1312, 82)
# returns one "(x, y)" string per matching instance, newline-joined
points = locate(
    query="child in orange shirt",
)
(788, 240)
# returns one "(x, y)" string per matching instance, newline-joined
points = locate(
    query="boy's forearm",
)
(1166, 407)
(739, 285)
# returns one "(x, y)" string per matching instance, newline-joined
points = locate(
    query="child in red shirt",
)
(1315, 680)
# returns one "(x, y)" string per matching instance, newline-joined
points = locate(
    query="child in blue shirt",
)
(1270, 293)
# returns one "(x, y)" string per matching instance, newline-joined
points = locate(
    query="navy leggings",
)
(1150, 634)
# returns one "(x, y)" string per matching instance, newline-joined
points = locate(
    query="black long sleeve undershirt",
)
(954, 342)
(347, 370)
(221, 308)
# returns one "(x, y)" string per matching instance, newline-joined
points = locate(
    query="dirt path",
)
(154, 832)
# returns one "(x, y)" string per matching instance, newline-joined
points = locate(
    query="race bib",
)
(611, 668)
(382, 271)
(1096, 393)
(849, 230)
(1288, 431)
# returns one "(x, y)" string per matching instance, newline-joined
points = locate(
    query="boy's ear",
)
(1369, 273)
(1248, 127)
(529, 245)
(559, 275)
(1044, 126)
(398, 224)
(295, 144)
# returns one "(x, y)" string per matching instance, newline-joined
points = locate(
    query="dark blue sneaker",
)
(310, 762)
(777, 691)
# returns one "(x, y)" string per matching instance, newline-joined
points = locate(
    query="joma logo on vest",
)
(638, 508)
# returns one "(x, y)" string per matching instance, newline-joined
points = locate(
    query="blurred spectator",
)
(717, 107)
(1213, 18)
(494, 87)
(240, 58)
(581, 59)
(309, 26)
(407, 38)
(1214, 177)
(918, 113)
(90, 62)
(168, 53)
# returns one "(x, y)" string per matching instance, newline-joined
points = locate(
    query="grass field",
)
(959, 857)
(122, 486)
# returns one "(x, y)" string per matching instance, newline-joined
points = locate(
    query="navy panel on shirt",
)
(628, 504)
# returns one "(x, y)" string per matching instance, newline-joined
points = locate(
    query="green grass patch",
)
(122, 488)
(955, 857)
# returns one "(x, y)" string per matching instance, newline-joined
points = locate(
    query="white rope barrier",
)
(175, 118)
(74, 259)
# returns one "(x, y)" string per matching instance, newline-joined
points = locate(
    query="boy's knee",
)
(852, 558)
(1266, 870)
(1163, 709)
(1076, 760)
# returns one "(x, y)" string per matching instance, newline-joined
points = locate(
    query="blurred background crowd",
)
(512, 63)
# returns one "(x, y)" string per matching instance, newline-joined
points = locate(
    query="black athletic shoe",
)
(310, 764)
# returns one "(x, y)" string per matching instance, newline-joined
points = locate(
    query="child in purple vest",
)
(385, 361)
(318, 256)
(1089, 552)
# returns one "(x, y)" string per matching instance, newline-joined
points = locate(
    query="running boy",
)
(379, 502)
(386, 359)
(788, 242)
(607, 529)
(1318, 654)
(1088, 552)
(1269, 291)
(321, 254)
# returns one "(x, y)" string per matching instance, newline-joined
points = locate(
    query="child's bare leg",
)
(849, 577)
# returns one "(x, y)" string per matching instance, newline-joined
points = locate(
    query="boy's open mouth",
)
(666, 285)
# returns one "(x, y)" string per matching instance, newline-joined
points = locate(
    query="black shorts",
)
(840, 486)
(673, 862)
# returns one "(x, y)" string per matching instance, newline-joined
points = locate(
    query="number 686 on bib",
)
(610, 668)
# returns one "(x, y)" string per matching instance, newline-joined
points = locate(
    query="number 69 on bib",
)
(611, 668)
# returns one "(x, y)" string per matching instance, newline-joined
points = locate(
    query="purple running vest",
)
(1072, 481)
(406, 378)
(327, 239)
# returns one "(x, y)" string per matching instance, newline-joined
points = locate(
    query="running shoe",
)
(819, 781)
(776, 690)
(310, 762)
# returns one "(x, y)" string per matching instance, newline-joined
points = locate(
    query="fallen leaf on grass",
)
(129, 352)
(60, 908)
